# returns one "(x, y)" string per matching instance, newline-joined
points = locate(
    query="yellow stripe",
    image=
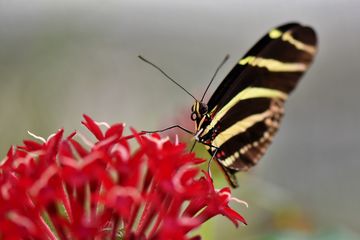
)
(239, 127)
(247, 93)
(273, 65)
(228, 161)
(197, 106)
(275, 33)
(200, 123)
(287, 37)
(231, 159)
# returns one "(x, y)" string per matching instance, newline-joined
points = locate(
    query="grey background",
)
(64, 58)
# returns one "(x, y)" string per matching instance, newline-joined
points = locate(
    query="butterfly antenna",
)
(212, 79)
(167, 76)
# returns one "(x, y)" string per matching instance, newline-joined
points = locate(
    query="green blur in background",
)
(60, 59)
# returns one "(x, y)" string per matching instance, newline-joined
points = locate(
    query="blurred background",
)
(60, 59)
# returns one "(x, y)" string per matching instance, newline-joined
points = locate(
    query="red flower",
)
(62, 189)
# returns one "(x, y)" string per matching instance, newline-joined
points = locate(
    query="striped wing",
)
(247, 107)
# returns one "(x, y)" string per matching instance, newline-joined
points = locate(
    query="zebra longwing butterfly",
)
(240, 119)
(243, 114)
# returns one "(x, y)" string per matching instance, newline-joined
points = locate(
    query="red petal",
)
(71, 135)
(79, 148)
(116, 129)
(93, 127)
(32, 145)
(234, 216)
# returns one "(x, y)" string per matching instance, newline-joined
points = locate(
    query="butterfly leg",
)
(193, 146)
(168, 128)
(209, 163)
(213, 155)
(211, 146)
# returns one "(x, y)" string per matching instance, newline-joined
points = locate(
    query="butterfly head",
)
(198, 110)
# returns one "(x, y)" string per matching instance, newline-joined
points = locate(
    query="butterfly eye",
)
(203, 109)
(193, 116)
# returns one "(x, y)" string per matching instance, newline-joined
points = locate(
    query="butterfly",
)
(240, 119)
(242, 116)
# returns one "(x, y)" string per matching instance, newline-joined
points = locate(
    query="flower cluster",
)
(64, 189)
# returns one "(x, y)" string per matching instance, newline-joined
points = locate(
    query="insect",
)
(240, 119)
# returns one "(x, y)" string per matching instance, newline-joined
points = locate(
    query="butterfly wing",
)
(247, 107)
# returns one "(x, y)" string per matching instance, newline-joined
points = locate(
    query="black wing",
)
(247, 107)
